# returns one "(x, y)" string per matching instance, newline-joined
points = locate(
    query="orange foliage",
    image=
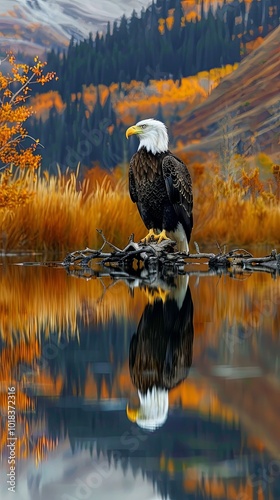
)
(239, 211)
(16, 146)
(89, 95)
(192, 16)
(200, 397)
(161, 28)
(14, 112)
(42, 103)
(254, 44)
(169, 21)
(25, 311)
(10, 359)
(38, 447)
(219, 489)
(136, 99)
(13, 191)
(191, 13)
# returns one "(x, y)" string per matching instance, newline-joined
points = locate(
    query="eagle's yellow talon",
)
(162, 236)
(156, 237)
(151, 235)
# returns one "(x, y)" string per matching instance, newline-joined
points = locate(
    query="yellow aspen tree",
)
(17, 148)
(15, 88)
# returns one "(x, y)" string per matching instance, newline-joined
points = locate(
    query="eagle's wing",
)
(131, 184)
(179, 187)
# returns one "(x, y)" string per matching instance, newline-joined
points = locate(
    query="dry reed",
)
(64, 214)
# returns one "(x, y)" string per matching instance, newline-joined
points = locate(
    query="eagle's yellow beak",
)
(133, 130)
(132, 413)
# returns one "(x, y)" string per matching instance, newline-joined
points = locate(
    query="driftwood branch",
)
(141, 259)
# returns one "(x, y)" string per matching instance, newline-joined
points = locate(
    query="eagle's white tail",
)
(180, 237)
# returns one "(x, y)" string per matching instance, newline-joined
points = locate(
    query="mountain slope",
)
(32, 25)
(246, 103)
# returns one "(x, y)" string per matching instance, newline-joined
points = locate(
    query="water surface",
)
(168, 391)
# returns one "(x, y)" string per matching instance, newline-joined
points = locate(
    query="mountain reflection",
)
(160, 353)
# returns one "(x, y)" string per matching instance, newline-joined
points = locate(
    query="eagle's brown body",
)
(160, 185)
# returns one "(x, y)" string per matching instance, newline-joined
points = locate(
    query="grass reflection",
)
(36, 299)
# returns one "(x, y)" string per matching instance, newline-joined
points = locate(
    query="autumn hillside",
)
(248, 98)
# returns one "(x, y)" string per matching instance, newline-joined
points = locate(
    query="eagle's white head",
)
(152, 411)
(152, 135)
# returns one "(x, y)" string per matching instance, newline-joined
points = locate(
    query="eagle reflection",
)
(160, 353)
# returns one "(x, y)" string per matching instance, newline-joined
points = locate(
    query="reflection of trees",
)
(11, 361)
(98, 353)
(191, 457)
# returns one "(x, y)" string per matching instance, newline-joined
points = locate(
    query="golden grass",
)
(226, 213)
(61, 214)
(64, 215)
(237, 222)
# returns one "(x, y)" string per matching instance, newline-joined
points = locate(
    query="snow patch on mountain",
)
(53, 22)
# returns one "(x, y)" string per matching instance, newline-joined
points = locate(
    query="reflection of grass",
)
(37, 299)
(223, 302)
(62, 214)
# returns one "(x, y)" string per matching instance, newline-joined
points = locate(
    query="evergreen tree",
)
(134, 49)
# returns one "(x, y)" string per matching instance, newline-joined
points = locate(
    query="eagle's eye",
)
(143, 126)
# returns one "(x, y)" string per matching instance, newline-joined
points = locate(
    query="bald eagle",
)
(160, 184)
(160, 353)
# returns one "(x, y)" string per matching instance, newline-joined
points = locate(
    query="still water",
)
(166, 391)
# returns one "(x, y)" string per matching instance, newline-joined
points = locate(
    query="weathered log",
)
(161, 257)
